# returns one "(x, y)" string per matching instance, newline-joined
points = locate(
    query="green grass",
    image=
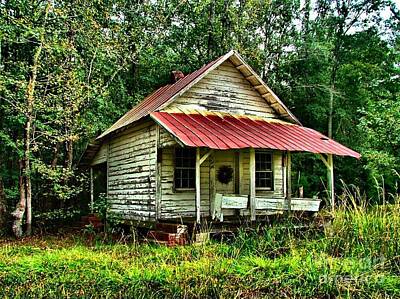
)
(356, 256)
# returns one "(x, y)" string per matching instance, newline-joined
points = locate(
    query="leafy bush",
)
(56, 218)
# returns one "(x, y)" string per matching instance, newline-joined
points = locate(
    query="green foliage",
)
(54, 219)
(100, 206)
(101, 58)
(355, 256)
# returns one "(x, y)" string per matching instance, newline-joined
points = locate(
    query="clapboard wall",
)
(224, 89)
(277, 191)
(101, 155)
(176, 204)
(131, 173)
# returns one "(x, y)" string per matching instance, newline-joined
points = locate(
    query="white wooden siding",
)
(101, 155)
(165, 139)
(176, 204)
(131, 180)
(224, 89)
(277, 174)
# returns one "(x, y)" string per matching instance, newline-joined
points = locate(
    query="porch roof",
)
(228, 131)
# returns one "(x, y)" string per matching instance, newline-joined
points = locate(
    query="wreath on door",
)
(225, 174)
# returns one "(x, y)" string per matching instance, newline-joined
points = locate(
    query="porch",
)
(234, 141)
(252, 200)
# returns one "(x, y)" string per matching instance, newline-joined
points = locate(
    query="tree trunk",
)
(27, 143)
(19, 211)
(69, 154)
(3, 206)
(30, 101)
(55, 156)
(330, 115)
(28, 193)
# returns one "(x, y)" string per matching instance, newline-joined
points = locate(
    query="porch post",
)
(91, 190)
(331, 183)
(252, 167)
(284, 173)
(289, 181)
(212, 185)
(198, 185)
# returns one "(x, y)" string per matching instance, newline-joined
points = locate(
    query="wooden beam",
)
(284, 173)
(241, 67)
(328, 161)
(198, 185)
(252, 167)
(108, 170)
(213, 189)
(91, 190)
(250, 77)
(107, 183)
(158, 173)
(206, 155)
(324, 160)
(289, 181)
(275, 105)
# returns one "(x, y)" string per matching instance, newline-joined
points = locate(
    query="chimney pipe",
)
(176, 76)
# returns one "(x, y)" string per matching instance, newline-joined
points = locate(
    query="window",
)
(264, 177)
(185, 168)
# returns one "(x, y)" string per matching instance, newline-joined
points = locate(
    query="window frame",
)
(183, 189)
(265, 171)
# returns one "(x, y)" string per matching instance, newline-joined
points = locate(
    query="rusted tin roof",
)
(162, 96)
(227, 131)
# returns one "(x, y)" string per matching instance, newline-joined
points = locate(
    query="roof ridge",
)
(164, 95)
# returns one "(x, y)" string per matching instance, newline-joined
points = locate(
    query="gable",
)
(224, 89)
(228, 93)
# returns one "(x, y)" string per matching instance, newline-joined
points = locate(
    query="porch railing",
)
(241, 202)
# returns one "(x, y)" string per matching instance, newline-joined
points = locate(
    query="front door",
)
(225, 172)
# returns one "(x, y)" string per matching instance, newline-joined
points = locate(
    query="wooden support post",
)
(330, 176)
(198, 202)
(213, 189)
(331, 183)
(108, 171)
(206, 155)
(91, 190)
(108, 185)
(289, 181)
(158, 154)
(284, 174)
(252, 167)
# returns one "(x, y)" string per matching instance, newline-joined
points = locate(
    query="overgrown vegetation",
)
(356, 255)
(68, 70)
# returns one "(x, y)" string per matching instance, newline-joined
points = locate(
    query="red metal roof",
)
(228, 131)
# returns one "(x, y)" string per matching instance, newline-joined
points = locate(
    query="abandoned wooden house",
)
(215, 144)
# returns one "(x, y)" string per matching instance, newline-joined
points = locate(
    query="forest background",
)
(69, 69)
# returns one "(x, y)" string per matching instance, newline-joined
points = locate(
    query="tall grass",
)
(362, 230)
(355, 254)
